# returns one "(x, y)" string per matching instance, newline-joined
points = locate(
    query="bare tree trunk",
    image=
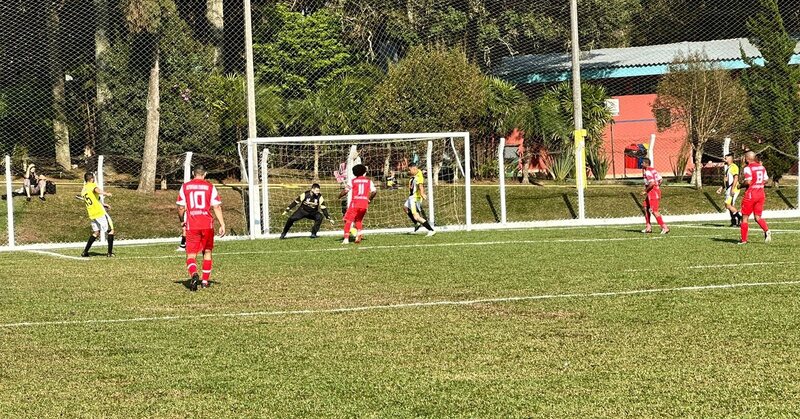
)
(697, 174)
(57, 78)
(437, 168)
(387, 162)
(147, 178)
(102, 93)
(215, 17)
(526, 163)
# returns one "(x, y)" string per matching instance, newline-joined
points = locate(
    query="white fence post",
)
(650, 153)
(429, 167)
(264, 192)
(187, 167)
(501, 164)
(726, 147)
(9, 203)
(468, 181)
(101, 184)
(797, 207)
(252, 189)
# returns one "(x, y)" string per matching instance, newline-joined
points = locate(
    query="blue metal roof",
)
(652, 60)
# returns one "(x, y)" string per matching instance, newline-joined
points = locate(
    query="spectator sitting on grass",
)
(34, 183)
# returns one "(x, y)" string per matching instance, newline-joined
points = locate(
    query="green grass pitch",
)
(574, 322)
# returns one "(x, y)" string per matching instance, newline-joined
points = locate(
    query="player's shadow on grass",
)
(185, 283)
(492, 208)
(722, 240)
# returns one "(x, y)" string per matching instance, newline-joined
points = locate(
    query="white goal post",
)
(280, 168)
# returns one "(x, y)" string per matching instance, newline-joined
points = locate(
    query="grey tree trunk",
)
(215, 17)
(147, 178)
(57, 80)
(526, 162)
(387, 161)
(101, 48)
(697, 173)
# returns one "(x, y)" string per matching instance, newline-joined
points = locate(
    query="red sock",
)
(347, 225)
(191, 265)
(647, 218)
(660, 221)
(761, 222)
(359, 225)
(745, 227)
(206, 269)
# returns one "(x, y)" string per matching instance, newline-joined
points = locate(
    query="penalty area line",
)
(58, 255)
(424, 304)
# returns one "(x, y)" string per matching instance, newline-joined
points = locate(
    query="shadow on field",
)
(492, 208)
(637, 202)
(712, 201)
(784, 199)
(185, 283)
(721, 240)
(570, 208)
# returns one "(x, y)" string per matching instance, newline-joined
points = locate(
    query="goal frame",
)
(258, 180)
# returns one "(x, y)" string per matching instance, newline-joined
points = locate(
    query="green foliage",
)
(336, 109)
(301, 53)
(561, 165)
(430, 90)
(773, 88)
(555, 113)
(597, 160)
(190, 95)
(507, 108)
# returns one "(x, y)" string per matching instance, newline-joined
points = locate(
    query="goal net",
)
(280, 169)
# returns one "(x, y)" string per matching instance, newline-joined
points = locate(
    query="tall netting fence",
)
(143, 82)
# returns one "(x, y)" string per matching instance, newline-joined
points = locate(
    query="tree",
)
(143, 18)
(704, 99)
(773, 88)
(430, 90)
(556, 119)
(57, 80)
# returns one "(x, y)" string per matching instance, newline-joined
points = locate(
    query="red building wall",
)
(634, 125)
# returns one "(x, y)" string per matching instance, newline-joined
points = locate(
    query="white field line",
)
(356, 247)
(58, 255)
(718, 266)
(399, 305)
(733, 228)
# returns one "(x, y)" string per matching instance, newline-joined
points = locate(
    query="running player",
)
(755, 177)
(312, 207)
(100, 219)
(416, 194)
(731, 189)
(195, 200)
(363, 192)
(652, 200)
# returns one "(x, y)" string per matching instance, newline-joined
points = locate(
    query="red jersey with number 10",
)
(198, 196)
(756, 175)
(361, 188)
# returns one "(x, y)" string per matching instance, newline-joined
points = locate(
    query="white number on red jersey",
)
(197, 200)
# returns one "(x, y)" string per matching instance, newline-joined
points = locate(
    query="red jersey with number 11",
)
(361, 188)
(198, 196)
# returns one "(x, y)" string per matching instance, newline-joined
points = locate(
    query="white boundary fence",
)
(256, 199)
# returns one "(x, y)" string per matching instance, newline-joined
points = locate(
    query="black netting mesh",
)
(142, 82)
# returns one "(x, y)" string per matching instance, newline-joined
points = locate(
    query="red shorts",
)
(651, 204)
(198, 241)
(355, 214)
(753, 206)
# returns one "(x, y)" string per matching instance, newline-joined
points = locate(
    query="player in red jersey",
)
(363, 192)
(652, 192)
(195, 201)
(755, 176)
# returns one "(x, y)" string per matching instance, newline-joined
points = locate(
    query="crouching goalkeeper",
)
(312, 207)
